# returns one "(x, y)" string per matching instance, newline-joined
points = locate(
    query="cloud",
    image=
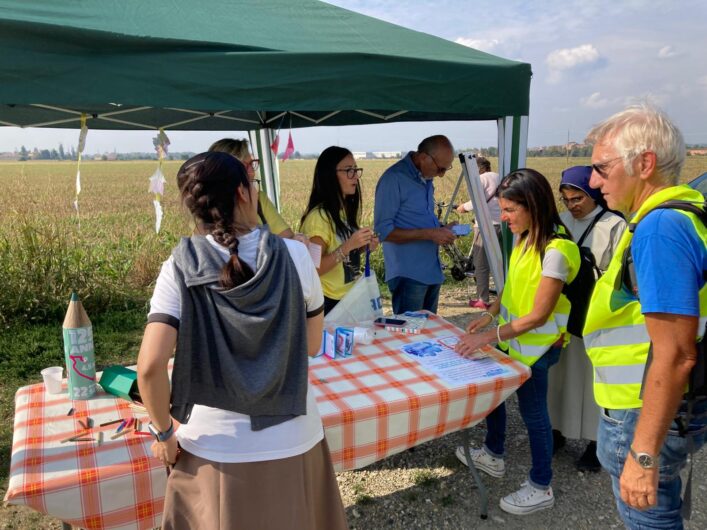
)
(594, 101)
(568, 58)
(666, 52)
(571, 59)
(485, 45)
(702, 81)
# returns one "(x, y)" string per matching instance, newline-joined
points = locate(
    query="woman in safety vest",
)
(532, 318)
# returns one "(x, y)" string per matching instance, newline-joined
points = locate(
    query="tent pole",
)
(512, 148)
(269, 165)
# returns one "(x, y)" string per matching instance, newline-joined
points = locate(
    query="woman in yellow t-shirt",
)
(331, 220)
(266, 209)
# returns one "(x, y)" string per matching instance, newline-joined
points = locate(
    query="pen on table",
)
(73, 436)
(111, 422)
(121, 433)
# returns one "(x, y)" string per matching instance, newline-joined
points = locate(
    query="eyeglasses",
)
(352, 172)
(440, 169)
(254, 164)
(572, 201)
(602, 167)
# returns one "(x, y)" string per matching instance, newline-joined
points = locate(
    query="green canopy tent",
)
(244, 65)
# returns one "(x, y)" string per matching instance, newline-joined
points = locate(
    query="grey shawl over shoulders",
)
(243, 349)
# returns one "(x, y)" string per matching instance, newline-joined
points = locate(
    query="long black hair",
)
(326, 193)
(208, 184)
(530, 189)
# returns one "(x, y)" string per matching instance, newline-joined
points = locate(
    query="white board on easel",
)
(470, 172)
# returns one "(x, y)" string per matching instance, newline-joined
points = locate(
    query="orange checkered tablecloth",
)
(374, 404)
(115, 485)
(380, 401)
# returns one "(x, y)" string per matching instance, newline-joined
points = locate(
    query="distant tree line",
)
(63, 154)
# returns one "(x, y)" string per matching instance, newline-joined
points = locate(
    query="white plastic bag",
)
(361, 304)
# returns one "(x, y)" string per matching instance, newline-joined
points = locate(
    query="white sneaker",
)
(528, 499)
(487, 463)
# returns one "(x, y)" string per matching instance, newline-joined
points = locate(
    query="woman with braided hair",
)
(241, 309)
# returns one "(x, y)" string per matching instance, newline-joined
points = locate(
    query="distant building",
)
(359, 155)
(697, 152)
(387, 154)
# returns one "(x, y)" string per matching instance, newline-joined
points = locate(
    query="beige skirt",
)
(299, 492)
(570, 394)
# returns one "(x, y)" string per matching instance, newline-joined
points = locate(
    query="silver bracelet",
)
(489, 313)
(339, 255)
(498, 333)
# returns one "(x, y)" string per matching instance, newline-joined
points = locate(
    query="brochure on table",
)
(438, 356)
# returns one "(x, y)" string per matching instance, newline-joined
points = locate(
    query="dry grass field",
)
(112, 258)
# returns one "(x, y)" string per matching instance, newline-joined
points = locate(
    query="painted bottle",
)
(78, 351)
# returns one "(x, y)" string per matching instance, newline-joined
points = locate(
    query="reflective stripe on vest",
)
(619, 336)
(619, 375)
(615, 333)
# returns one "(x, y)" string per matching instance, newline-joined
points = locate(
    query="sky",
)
(590, 58)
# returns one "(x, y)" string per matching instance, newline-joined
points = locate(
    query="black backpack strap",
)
(591, 225)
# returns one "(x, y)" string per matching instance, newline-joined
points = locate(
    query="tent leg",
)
(512, 148)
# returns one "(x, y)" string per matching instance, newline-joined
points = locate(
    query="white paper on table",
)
(315, 251)
(157, 182)
(450, 366)
(158, 216)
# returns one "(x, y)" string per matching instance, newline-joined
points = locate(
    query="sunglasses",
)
(440, 169)
(603, 167)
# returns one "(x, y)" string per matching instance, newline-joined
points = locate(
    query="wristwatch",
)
(644, 460)
(161, 436)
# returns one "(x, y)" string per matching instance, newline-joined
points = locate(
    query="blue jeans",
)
(616, 429)
(532, 402)
(411, 295)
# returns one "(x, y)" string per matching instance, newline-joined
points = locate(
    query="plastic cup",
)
(52, 379)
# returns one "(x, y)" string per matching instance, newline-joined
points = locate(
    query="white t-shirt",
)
(224, 436)
(489, 181)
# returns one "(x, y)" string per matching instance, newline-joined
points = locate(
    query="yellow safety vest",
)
(524, 274)
(615, 333)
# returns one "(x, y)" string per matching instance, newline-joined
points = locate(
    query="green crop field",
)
(110, 254)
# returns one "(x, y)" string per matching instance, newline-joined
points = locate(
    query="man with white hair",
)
(646, 314)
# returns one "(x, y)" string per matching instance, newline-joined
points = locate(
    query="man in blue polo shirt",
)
(404, 219)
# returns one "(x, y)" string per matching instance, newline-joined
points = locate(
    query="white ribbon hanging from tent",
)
(82, 144)
(157, 180)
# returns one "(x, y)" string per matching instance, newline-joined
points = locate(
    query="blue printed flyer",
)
(438, 356)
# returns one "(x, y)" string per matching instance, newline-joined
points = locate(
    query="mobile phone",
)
(461, 230)
(383, 321)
